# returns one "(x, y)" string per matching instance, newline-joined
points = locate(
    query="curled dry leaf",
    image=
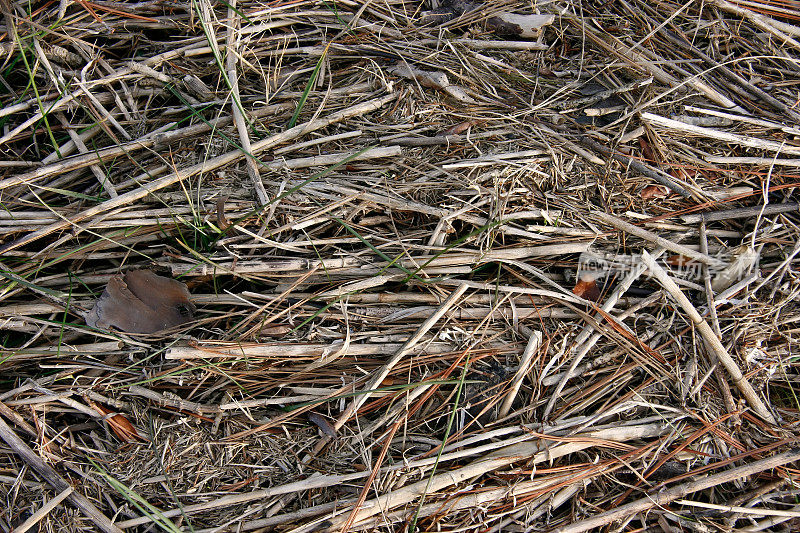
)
(681, 261)
(528, 26)
(323, 424)
(141, 302)
(654, 191)
(119, 424)
(459, 128)
(230, 487)
(222, 220)
(744, 259)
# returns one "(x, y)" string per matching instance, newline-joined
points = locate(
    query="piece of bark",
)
(141, 302)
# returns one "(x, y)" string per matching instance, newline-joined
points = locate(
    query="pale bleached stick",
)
(588, 337)
(753, 511)
(508, 451)
(774, 27)
(376, 379)
(524, 365)
(712, 341)
(663, 497)
(538, 451)
(488, 497)
(748, 160)
(426, 261)
(752, 142)
(231, 60)
(159, 137)
(660, 241)
(178, 403)
(730, 405)
(36, 517)
(310, 483)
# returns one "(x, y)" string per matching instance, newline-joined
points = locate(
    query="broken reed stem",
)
(232, 60)
(661, 498)
(741, 212)
(712, 341)
(730, 404)
(310, 483)
(658, 175)
(534, 452)
(524, 366)
(587, 338)
(752, 142)
(36, 517)
(178, 403)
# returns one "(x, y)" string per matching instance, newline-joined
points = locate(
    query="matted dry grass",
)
(380, 209)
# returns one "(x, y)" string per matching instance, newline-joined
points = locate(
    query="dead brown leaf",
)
(141, 302)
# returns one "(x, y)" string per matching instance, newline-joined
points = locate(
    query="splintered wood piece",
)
(141, 302)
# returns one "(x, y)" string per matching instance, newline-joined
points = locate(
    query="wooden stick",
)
(746, 160)
(182, 404)
(752, 142)
(741, 212)
(712, 341)
(725, 389)
(754, 511)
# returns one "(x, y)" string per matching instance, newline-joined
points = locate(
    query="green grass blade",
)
(311, 81)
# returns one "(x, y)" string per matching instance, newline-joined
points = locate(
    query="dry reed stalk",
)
(711, 339)
(396, 155)
(666, 496)
(531, 452)
(207, 166)
(40, 513)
